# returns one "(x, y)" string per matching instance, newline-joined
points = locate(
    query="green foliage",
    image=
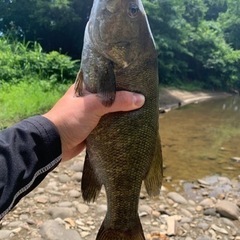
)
(198, 40)
(56, 24)
(18, 60)
(27, 98)
(230, 23)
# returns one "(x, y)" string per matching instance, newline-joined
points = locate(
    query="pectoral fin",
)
(97, 75)
(153, 180)
(106, 83)
(90, 183)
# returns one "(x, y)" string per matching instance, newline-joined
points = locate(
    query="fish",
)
(124, 150)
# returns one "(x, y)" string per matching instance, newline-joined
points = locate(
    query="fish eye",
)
(133, 10)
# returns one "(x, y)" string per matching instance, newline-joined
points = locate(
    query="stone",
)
(203, 182)
(102, 208)
(82, 208)
(85, 234)
(77, 167)
(41, 199)
(210, 212)
(236, 159)
(64, 178)
(65, 204)
(17, 230)
(176, 197)
(188, 238)
(186, 213)
(60, 212)
(186, 220)
(205, 193)
(199, 208)
(74, 193)
(52, 230)
(224, 180)
(15, 224)
(145, 208)
(5, 234)
(186, 226)
(143, 214)
(171, 226)
(204, 226)
(218, 229)
(54, 199)
(228, 222)
(228, 209)
(204, 238)
(77, 176)
(156, 213)
(207, 203)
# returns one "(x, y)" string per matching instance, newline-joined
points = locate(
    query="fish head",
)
(119, 30)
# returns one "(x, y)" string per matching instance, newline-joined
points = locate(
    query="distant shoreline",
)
(171, 98)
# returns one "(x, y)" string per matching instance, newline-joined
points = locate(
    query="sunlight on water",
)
(201, 139)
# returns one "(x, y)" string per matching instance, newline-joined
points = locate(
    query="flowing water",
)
(200, 139)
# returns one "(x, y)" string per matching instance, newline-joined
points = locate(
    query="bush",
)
(19, 60)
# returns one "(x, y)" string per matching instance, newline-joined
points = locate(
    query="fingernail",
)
(138, 99)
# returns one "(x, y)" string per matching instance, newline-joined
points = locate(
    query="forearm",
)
(28, 152)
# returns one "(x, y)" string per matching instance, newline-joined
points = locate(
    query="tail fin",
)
(136, 233)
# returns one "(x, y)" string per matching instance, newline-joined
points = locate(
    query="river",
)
(201, 139)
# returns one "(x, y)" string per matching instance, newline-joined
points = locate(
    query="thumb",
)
(125, 101)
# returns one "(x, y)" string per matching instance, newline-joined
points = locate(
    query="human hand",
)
(75, 117)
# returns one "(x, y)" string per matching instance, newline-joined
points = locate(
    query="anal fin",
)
(90, 184)
(153, 180)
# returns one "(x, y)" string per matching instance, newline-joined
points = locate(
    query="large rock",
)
(228, 209)
(176, 197)
(172, 225)
(52, 230)
(60, 212)
(5, 234)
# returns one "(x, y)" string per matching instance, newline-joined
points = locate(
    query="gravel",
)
(205, 209)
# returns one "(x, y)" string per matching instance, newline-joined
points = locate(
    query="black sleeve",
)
(28, 152)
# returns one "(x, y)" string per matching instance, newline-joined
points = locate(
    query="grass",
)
(27, 98)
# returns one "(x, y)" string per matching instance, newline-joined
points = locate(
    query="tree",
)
(230, 23)
(56, 25)
(170, 33)
(197, 40)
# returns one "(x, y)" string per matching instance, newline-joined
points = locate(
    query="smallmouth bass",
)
(124, 149)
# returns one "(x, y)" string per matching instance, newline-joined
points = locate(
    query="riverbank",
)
(171, 98)
(208, 210)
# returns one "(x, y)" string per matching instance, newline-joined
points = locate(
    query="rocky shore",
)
(202, 210)
(171, 98)
(205, 209)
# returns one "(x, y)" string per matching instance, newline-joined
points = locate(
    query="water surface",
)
(200, 139)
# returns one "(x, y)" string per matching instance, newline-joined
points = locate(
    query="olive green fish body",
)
(124, 149)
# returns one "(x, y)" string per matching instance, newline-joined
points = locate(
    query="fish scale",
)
(124, 149)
